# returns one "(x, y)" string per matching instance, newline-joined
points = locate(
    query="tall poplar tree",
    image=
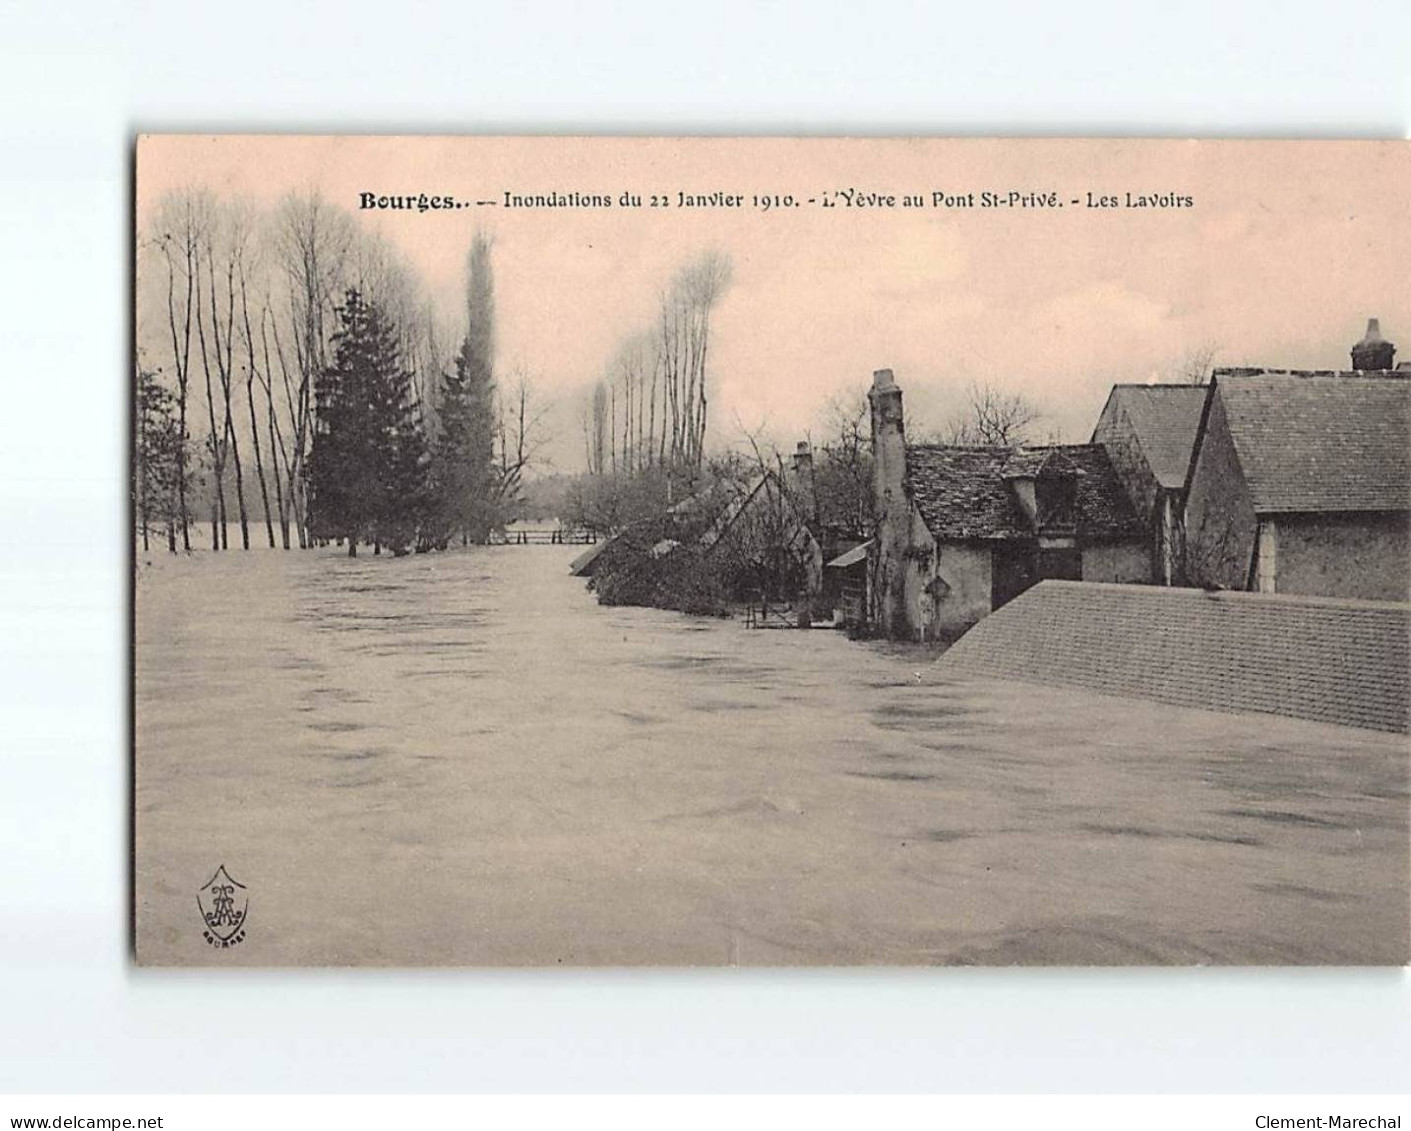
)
(463, 486)
(475, 367)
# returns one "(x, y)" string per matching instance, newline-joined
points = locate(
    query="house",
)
(962, 530)
(730, 541)
(762, 539)
(1149, 432)
(1300, 481)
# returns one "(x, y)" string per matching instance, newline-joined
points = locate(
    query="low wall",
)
(1334, 661)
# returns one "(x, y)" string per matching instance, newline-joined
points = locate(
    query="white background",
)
(78, 79)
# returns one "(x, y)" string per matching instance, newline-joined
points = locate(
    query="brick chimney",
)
(893, 512)
(1373, 351)
(805, 491)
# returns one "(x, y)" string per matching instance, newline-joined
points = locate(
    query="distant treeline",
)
(296, 346)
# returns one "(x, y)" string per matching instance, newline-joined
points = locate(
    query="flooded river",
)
(463, 759)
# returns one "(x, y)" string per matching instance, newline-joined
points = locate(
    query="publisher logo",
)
(223, 904)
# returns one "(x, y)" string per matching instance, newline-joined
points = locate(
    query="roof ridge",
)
(1176, 592)
(997, 448)
(1340, 374)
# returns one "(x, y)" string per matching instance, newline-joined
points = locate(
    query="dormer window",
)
(1056, 494)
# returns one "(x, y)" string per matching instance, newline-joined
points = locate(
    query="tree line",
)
(651, 409)
(644, 423)
(291, 362)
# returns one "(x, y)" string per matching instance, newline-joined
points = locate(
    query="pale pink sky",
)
(1289, 248)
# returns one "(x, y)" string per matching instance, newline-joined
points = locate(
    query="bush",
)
(681, 579)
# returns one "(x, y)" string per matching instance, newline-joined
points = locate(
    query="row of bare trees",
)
(239, 331)
(651, 410)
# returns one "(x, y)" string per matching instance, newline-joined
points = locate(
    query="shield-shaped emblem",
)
(223, 903)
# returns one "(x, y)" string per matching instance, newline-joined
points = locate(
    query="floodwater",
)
(462, 759)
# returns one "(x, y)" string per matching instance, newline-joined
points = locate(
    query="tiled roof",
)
(1165, 419)
(1341, 662)
(1321, 442)
(963, 493)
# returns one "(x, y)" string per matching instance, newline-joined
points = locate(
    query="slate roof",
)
(1320, 442)
(963, 493)
(1335, 661)
(1165, 419)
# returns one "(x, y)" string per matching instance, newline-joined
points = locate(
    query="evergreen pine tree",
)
(367, 469)
(402, 461)
(448, 512)
(158, 461)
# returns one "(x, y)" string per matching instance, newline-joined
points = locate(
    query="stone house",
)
(962, 530)
(1149, 432)
(1301, 483)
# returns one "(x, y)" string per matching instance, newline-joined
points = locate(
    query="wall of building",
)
(941, 611)
(1348, 555)
(1121, 562)
(1220, 525)
(1117, 434)
(966, 571)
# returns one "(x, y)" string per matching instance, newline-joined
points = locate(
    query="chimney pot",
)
(1373, 352)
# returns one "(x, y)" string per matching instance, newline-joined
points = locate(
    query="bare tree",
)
(595, 429)
(277, 447)
(842, 477)
(180, 225)
(253, 373)
(432, 356)
(221, 244)
(993, 419)
(651, 408)
(684, 323)
(313, 241)
(1194, 366)
(522, 432)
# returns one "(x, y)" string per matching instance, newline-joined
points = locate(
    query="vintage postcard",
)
(625, 551)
